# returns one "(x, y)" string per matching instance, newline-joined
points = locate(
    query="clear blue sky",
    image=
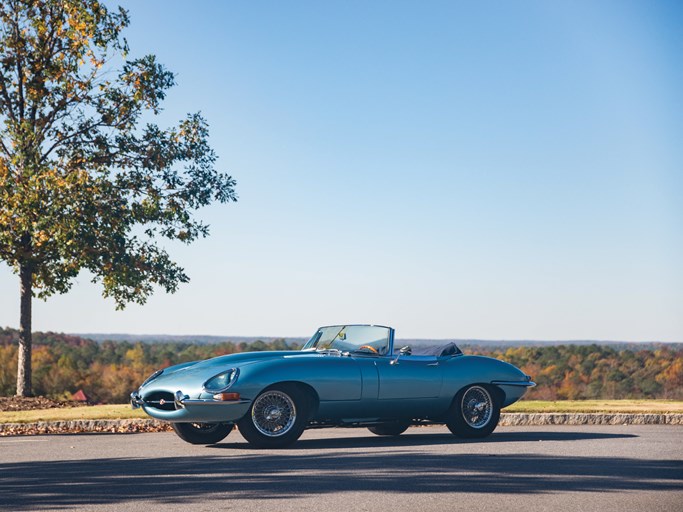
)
(507, 170)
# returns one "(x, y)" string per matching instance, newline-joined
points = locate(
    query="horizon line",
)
(507, 340)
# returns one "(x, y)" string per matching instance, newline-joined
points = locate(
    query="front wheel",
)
(276, 418)
(475, 412)
(202, 433)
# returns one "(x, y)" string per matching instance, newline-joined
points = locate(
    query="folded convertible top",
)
(428, 348)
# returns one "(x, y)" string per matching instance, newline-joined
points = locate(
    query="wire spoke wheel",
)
(477, 407)
(273, 413)
(277, 417)
(475, 411)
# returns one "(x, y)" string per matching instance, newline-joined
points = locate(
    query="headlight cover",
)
(222, 381)
(152, 377)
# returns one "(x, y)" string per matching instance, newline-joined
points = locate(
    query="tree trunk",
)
(25, 338)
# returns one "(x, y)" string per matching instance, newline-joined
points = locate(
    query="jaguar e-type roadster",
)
(345, 376)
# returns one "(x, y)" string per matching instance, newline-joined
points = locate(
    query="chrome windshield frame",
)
(313, 340)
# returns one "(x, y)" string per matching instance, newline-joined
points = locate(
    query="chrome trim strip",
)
(524, 384)
(182, 400)
(210, 401)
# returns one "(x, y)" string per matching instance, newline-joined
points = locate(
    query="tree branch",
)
(20, 72)
(8, 101)
(4, 148)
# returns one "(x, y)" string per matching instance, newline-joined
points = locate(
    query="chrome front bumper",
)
(192, 409)
(181, 400)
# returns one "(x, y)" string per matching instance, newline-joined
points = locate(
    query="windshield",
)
(372, 339)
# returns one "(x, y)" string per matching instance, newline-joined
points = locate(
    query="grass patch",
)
(123, 411)
(95, 412)
(606, 406)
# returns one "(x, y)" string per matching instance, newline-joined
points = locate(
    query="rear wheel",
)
(475, 412)
(202, 433)
(389, 429)
(276, 418)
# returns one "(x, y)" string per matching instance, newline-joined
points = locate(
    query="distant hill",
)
(108, 369)
(185, 338)
(491, 344)
(206, 339)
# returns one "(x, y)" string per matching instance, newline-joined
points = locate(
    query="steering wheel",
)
(370, 348)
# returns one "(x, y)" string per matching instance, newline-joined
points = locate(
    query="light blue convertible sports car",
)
(345, 376)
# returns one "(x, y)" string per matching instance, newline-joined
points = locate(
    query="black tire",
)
(202, 433)
(475, 412)
(277, 417)
(389, 429)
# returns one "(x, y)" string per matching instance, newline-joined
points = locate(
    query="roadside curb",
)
(132, 426)
(557, 418)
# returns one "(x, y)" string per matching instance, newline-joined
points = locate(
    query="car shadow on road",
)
(333, 466)
(414, 437)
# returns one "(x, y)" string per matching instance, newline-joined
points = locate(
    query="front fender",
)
(332, 378)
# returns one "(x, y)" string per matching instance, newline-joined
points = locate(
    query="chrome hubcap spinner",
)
(477, 407)
(273, 413)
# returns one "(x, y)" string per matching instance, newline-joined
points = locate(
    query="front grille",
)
(160, 400)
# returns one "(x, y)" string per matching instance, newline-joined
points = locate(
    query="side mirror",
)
(405, 351)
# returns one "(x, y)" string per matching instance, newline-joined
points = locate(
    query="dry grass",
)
(95, 412)
(123, 411)
(607, 406)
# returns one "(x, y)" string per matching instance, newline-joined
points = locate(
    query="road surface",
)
(615, 468)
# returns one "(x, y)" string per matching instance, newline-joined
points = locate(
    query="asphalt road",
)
(337, 470)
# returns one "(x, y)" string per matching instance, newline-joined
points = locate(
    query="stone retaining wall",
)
(506, 420)
(81, 426)
(558, 418)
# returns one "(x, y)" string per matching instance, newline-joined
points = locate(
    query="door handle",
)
(433, 364)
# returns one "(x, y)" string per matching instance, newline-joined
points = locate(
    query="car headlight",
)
(222, 381)
(152, 377)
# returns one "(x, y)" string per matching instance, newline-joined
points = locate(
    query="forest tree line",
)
(108, 371)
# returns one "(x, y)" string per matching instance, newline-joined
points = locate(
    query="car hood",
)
(208, 368)
(239, 359)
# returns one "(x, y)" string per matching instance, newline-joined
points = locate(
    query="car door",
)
(409, 377)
